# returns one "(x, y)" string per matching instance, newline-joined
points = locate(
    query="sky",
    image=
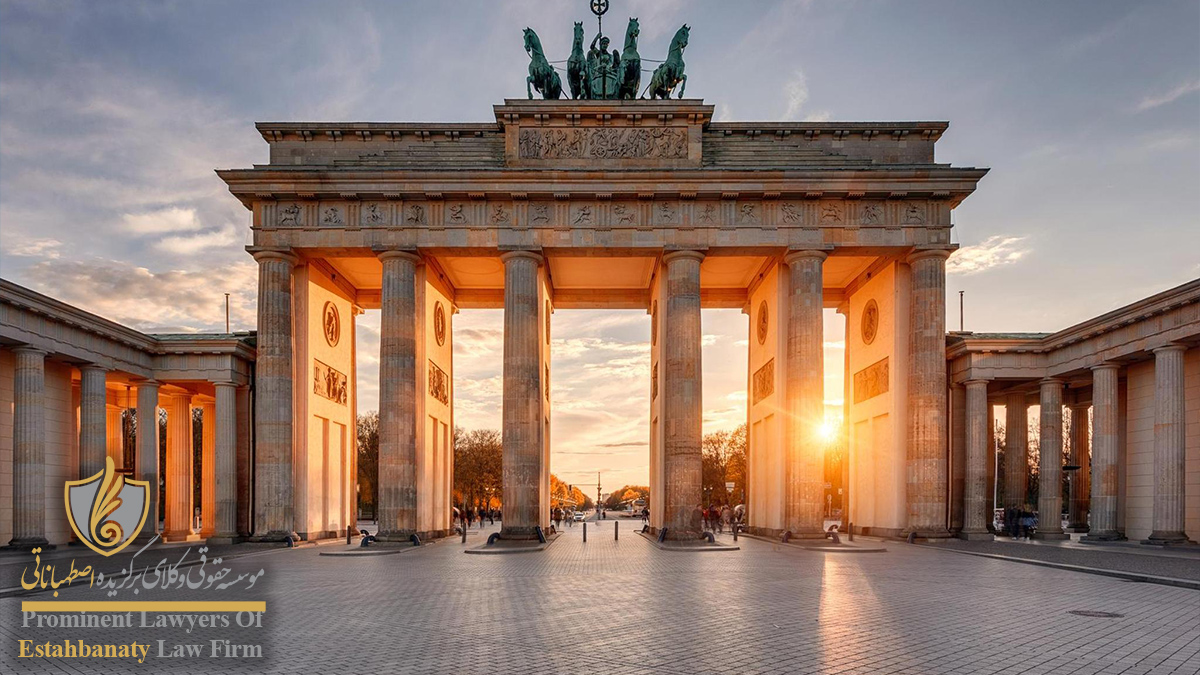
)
(114, 115)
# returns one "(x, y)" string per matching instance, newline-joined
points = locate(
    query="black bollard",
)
(464, 533)
(735, 529)
(616, 530)
(850, 531)
(585, 531)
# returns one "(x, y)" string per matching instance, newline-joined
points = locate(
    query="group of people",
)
(720, 517)
(476, 517)
(1019, 523)
(559, 514)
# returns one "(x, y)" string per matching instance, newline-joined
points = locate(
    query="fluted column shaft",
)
(927, 418)
(179, 468)
(115, 435)
(225, 460)
(522, 412)
(29, 448)
(1105, 444)
(208, 468)
(975, 507)
(93, 420)
(398, 396)
(1050, 456)
(1080, 488)
(805, 478)
(958, 456)
(274, 404)
(1169, 445)
(1016, 451)
(682, 407)
(147, 450)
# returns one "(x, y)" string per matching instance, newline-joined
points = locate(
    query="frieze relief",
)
(604, 143)
(871, 381)
(329, 382)
(439, 384)
(764, 381)
(605, 214)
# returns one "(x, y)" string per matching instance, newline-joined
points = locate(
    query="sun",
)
(829, 430)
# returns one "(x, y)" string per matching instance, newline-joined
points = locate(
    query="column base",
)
(976, 536)
(28, 544)
(1050, 536)
(396, 535)
(1166, 539)
(1103, 536)
(931, 533)
(272, 536)
(1077, 529)
(176, 537)
(518, 532)
(225, 539)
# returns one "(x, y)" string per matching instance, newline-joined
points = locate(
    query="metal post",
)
(616, 530)
(960, 311)
(585, 531)
(227, 313)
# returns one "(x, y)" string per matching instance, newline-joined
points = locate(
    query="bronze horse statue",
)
(541, 74)
(577, 75)
(631, 63)
(670, 73)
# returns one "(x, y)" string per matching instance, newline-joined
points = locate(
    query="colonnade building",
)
(646, 205)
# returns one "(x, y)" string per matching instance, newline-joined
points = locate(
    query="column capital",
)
(1169, 347)
(921, 254)
(224, 383)
(147, 382)
(978, 381)
(514, 255)
(676, 255)
(30, 349)
(262, 255)
(1107, 365)
(802, 254)
(387, 254)
(1050, 380)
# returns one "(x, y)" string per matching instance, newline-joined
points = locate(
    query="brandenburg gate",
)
(645, 204)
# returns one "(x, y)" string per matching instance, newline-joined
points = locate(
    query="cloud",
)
(994, 252)
(26, 247)
(170, 219)
(155, 302)
(795, 91)
(226, 237)
(1181, 90)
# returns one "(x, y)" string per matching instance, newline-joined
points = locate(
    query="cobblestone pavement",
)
(1179, 563)
(626, 607)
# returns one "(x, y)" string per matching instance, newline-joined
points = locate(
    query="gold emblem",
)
(331, 323)
(870, 322)
(107, 510)
(439, 323)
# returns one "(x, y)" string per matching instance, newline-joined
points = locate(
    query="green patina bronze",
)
(601, 74)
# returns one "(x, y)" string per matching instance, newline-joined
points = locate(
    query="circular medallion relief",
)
(654, 324)
(764, 322)
(439, 323)
(870, 322)
(331, 324)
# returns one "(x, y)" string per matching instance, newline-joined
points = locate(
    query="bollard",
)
(415, 539)
(850, 530)
(662, 535)
(735, 529)
(493, 538)
(616, 530)
(585, 532)
(464, 533)
(912, 537)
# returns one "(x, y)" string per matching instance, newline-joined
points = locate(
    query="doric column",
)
(93, 420)
(273, 518)
(147, 451)
(398, 396)
(208, 468)
(522, 418)
(1080, 486)
(178, 526)
(683, 403)
(1016, 451)
(1169, 440)
(225, 462)
(29, 449)
(1105, 444)
(927, 419)
(244, 461)
(975, 487)
(1050, 458)
(805, 394)
(958, 455)
(991, 465)
(115, 435)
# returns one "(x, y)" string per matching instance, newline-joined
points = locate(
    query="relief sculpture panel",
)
(604, 143)
(871, 381)
(328, 382)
